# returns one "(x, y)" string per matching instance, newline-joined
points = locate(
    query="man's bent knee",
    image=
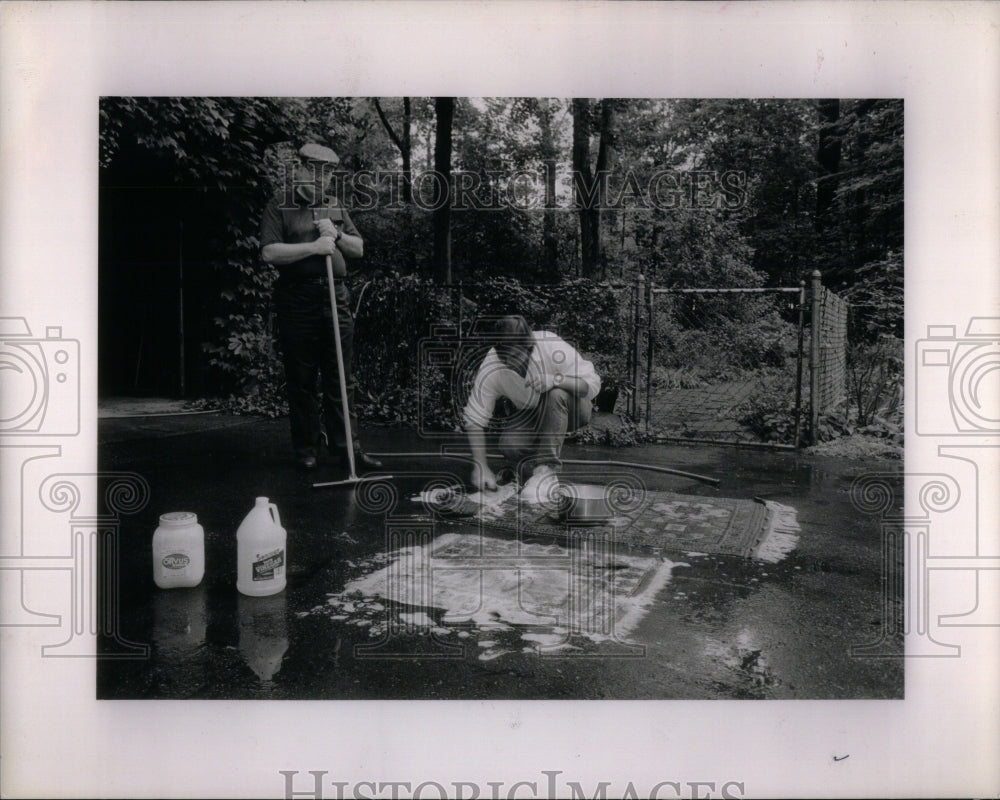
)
(558, 398)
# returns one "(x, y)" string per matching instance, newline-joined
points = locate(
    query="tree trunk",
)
(404, 143)
(583, 188)
(550, 245)
(444, 109)
(828, 157)
(406, 152)
(591, 187)
(605, 163)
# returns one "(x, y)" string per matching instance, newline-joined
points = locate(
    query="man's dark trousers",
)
(309, 350)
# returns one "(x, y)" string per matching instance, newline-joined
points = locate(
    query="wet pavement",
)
(707, 626)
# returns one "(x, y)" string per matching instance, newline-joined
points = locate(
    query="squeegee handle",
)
(346, 411)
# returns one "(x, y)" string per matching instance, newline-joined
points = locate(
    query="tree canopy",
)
(689, 193)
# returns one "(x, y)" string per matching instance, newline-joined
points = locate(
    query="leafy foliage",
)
(868, 224)
(720, 337)
(399, 314)
(216, 150)
(772, 144)
(876, 299)
(395, 314)
(227, 156)
(875, 380)
(768, 412)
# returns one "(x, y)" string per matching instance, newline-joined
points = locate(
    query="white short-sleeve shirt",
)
(551, 358)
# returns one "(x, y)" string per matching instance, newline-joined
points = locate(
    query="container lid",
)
(177, 519)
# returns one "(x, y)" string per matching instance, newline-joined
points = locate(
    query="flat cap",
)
(317, 152)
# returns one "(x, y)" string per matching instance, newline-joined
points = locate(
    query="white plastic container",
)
(178, 551)
(260, 551)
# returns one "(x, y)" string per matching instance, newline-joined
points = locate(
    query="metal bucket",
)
(584, 504)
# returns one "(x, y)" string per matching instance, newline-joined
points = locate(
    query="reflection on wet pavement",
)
(380, 604)
(263, 633)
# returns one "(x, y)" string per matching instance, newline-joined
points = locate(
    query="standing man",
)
(551, 386)
(300, 228)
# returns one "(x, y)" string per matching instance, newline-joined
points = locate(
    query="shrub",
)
(765, 341)
(875, 379)
(722, 336)
(625, 435)
(248, 360)
(396, 314)
(678, 377)
(769, 413)
(502, 295)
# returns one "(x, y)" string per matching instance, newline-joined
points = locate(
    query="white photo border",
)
(58, 58)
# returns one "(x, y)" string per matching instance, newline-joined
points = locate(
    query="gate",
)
(828, 351)
(730, 365)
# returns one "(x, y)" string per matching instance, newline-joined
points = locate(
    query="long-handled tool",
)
(575, 461)
(346, 411)
(651, 467)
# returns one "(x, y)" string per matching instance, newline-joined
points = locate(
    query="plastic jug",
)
(178, 550)
(260, 551)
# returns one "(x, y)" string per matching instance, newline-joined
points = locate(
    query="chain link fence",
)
(829, 378)
(417, 341)
(725, 365)
(733, 365)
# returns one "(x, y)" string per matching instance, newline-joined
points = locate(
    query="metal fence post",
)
(798, 365)
(649, 351)
(634, 354)
(814, 349)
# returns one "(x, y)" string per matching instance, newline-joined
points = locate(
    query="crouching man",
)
(550, 386)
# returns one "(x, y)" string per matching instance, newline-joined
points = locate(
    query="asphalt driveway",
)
(710, 627)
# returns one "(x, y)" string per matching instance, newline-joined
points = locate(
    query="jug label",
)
(176, 561)
(267, 564)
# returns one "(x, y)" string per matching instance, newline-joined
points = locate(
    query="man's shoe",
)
(542, 488)
(362, 461)
(307, 462)
(368, 462)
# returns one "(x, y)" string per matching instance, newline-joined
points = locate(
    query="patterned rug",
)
(504, 595)
(758, 529)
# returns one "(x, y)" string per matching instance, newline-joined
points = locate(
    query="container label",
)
(267, 564)
(176, 561)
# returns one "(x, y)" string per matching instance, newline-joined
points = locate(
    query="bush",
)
(591, 315)
(678, 378)
(875, 379)
(721, 337)
(248, 360)
(394, 315)
(775, 422)
(768, 413)
(501, 295)
(625, 435)
(765, 341)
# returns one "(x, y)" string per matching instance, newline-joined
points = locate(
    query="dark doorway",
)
(156, 288)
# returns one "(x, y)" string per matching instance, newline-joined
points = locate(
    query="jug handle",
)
(274, 513)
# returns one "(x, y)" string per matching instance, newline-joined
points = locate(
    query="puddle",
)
(751, 674)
